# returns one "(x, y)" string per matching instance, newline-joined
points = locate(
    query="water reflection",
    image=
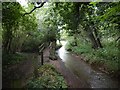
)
(86, 74)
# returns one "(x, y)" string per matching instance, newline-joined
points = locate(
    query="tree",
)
(16, 27)
(10, 23)
(76, 14)
(91, 26)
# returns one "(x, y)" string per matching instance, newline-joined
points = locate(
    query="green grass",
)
(48, 78)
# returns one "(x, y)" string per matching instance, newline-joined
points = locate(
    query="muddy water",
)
(90, 77)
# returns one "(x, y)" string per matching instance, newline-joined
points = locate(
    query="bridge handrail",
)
(41, 48)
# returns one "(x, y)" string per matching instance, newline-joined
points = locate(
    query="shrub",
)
(10, 59)
(48, 78)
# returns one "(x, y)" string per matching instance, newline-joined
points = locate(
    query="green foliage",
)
(10, 59)
(32, 42)
(69, 16)
(16, 27)
(107, 56)
(80, 20)
(104, 18)
(112, 13)
(11, 13)
(14, 11)
(48, 78)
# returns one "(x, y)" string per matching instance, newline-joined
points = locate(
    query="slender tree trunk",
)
(77, 16)
(93, 40)
(75, 40)
(9, 45)
(7, 41)
(91, 37)
(5, 44)
(97, 39)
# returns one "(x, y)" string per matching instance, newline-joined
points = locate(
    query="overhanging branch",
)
(35, 8)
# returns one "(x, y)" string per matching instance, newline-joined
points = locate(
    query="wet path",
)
(89, 77)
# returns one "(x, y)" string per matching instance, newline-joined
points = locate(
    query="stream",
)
(90, 77)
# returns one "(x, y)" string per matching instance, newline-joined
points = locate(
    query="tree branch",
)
(35, 8)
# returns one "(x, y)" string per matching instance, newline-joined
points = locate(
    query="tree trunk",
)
(9, 46)
(7, 41)
(75, 40)
(91, 37)
(97, 39)
(77, 16)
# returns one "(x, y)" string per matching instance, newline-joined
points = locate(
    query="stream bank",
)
(89, 76)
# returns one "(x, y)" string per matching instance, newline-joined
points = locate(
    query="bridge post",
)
(42, 58)
(42, 47)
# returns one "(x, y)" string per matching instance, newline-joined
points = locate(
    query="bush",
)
(48, 78)
(31, 45)
(10, 59)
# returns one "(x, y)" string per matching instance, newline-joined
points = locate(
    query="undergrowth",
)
(48, 78)
(11, 59)
(108, 56)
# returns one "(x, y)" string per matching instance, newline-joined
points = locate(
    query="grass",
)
(48, 78)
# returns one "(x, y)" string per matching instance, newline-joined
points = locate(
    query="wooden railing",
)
(41, 48)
